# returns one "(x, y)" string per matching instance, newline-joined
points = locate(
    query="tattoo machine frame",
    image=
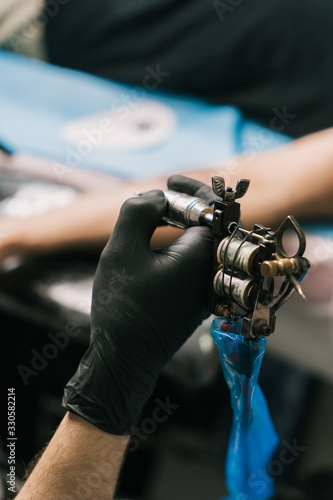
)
(247, 263)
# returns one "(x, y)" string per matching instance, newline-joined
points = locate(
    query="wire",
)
(224, 257)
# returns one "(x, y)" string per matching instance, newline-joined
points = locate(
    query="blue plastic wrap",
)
(253, 438)
(197, 133)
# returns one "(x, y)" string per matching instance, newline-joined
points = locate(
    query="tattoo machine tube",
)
(184, 210)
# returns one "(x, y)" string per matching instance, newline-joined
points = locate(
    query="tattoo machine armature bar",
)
(246, 263)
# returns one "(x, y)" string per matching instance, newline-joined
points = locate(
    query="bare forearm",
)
(85, 224)
(295, 179)
(81, 461)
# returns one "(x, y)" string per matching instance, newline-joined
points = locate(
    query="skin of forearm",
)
(310, 166)
(85, 224)
(296, 179)
(81, 462)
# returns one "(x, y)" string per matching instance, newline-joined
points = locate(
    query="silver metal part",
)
(260, 320)
(218, 185)
(208, 217)
(234, 288)
(185, 211)
(290, 223)
(238, 254)
(241, 188)
(297, 287)
(245, 262)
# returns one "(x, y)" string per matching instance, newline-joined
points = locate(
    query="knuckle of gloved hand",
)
(175, 180)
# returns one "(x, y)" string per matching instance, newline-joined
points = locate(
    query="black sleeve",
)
(272, 59)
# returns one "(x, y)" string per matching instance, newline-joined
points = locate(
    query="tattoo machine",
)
(247, 266)
(246, 262)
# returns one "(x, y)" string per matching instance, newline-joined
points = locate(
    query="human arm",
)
(145, 305)
(85, 224)
(295, 179)
(81, 461)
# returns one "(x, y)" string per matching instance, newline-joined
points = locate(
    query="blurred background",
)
(187, 86)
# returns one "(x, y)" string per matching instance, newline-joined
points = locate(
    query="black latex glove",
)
(145, 305)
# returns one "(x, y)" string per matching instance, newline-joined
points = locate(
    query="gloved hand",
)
(145, 305)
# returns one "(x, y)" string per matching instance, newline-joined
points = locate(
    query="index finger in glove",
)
(192, 187)
(137, 221)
